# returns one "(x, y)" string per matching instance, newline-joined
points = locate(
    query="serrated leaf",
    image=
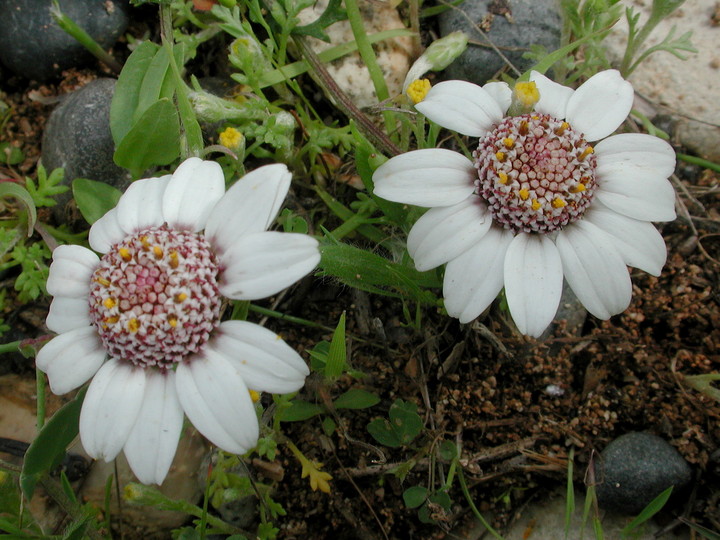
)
(94, 199)
(414, 496)
(356, 398)
(300, 410)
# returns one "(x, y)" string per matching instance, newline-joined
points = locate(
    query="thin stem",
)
(13, 346)
(40, 391)
(699, 161)
(474, 509)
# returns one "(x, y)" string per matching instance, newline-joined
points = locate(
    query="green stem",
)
(13, 346)
(295, 320)
(699, 161)
(40, 391)
(478, 515)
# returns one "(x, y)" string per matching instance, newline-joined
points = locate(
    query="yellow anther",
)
(578, 188)
(111, 320)
(102, 281)
(418, 89)
(527, 93)
(509, 142)
(174, 259)
(145, 243)
(523, 129)
(503, 178)
(158, 252)
(172, 320)
(535, 117)
(585, 153)
(558, 203)
(125, 254)
(180, 297)
(231, 138)
(560, 130)
(524, 194)
(109, 302)
(133, 325)
(500, 156)
(255, 396)
(536, 205)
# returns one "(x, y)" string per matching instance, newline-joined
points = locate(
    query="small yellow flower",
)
(527, 93)
(418, 89)
(231, 138)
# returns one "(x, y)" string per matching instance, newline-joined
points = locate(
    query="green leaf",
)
(300, 410)
(448, 450)
(402, 427)
(649, 511)
(329, 426)
(48, 449)
(382, 432)
(332, 14)
(153, 140)
(94, 199)
(356, 399)
(10, 189)
(414, 496)
(9, 154)
(127, 90)
(337, 355)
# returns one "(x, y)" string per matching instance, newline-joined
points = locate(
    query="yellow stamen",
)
(102, 281)
(111, 320)
(125, 254)
(558, 203)
(109, 302)
(527, 93)
(174, 259)
(500, 156)
(255, 396)
(509, 142)
(231, 138)
(562, 128)
(588, 150)
(133, 325)
(418, 89)
(172, 320)
(158, 252)
(503, 178)
(180, 297)
(524, 194)
(523, 129)
(536, 204)
(578, 188)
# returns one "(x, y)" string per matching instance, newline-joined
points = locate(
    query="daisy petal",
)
(265, 362)
(141, 206)
(501, 93)
(533, 282)
(442, 234)
(71, 270)
(262, 264)
(600, 105)
(153, 440)
(68, 314)
(594, 269)
(643, 195)
(553, 96)
(249, 206)
(192, 193)
(638, 242)
(111, 407)
(70, 359)
(106, 232)
(430, 177)
(216, 400)
(474, 279)
(461, 106)
(634, 152)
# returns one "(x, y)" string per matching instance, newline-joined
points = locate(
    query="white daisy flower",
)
(538, 202)
(143, 321)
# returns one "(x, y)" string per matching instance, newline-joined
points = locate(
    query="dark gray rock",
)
(534, 22)
(34, 46)
(634, 469)
(77, 137)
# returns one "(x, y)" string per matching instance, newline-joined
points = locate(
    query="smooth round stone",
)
(634, 469)
(534, 22)
(77, 138)
(34, 46)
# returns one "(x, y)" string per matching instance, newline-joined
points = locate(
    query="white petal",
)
(249, 206)
(71, 270)
(153, 440)
(71, 359)
(634, 152)
(553, 96)
(265, 362)
(461, 106)
(600, 105)
(192, 193)
(430, 177)
(533, 282)
(262, 264)
(638, 242)
(141, 206)
(474, 279)
(217, 402)
(594, 269)
(501, 93)
(106, 232)
(442, 234)
(643, 195)
(111, 407)
(68, 314)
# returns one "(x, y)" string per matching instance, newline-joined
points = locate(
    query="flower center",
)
(154, 297)
(535, 172)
